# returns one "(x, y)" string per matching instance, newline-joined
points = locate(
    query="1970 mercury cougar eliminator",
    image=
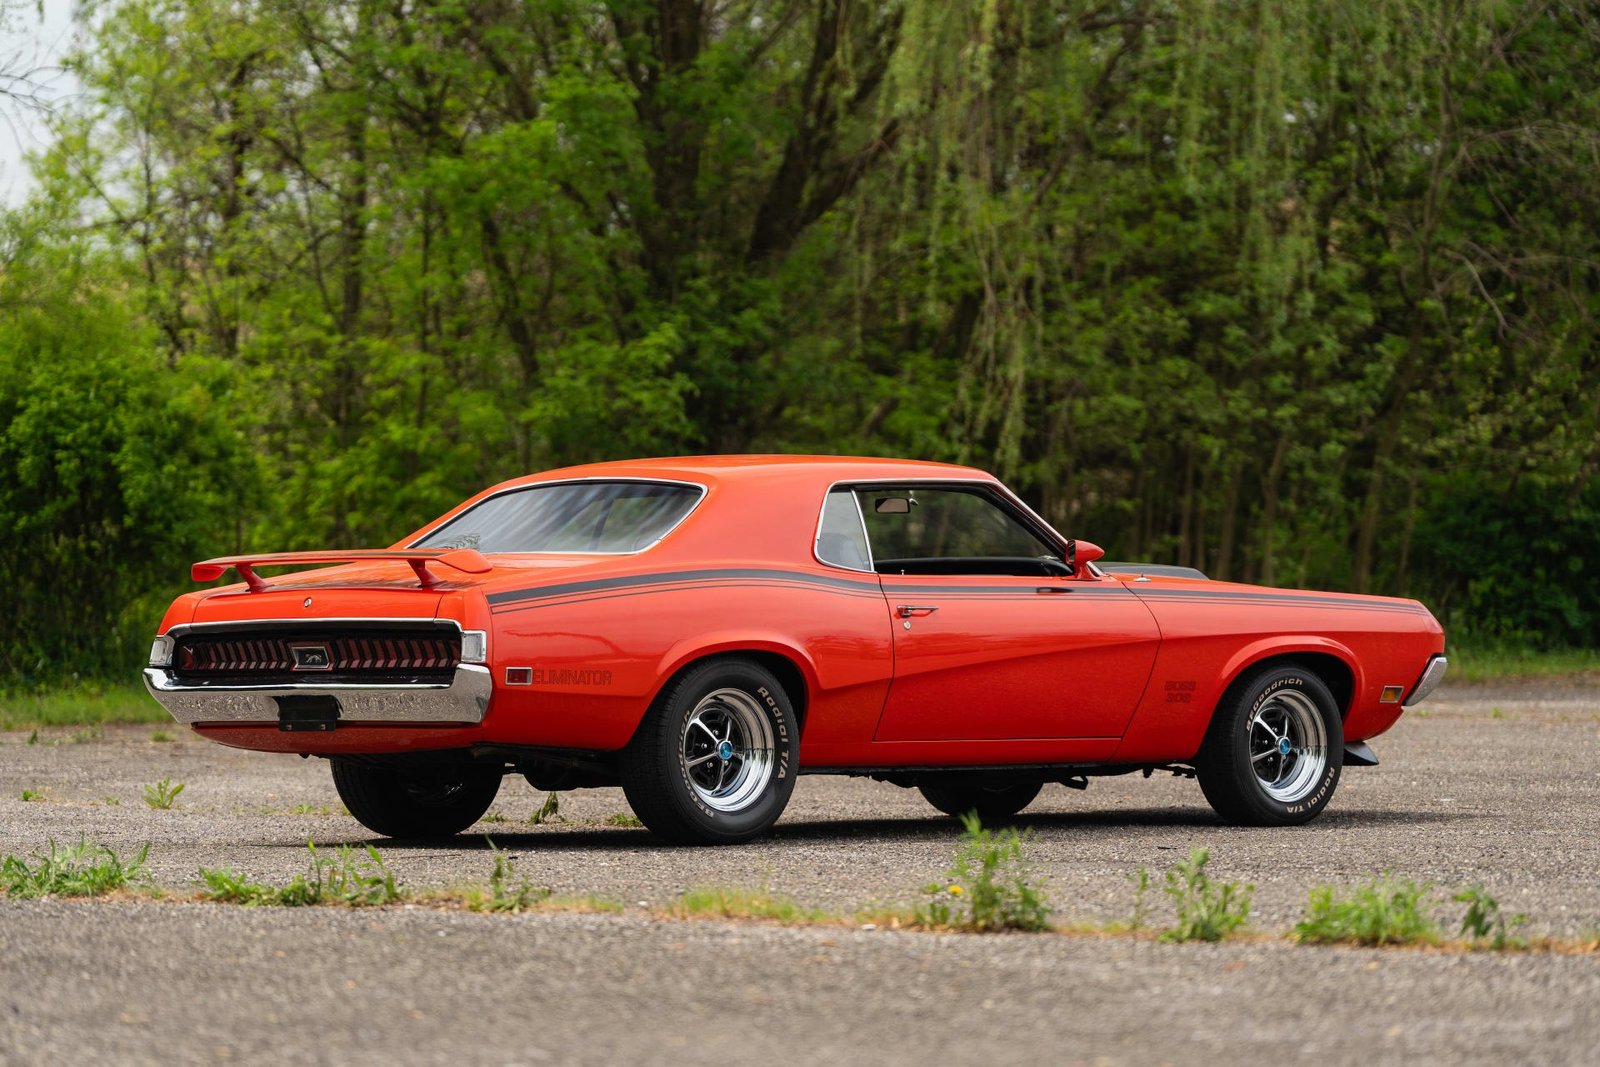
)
(702, 630)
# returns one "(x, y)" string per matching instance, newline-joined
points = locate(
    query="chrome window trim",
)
(1036, 525)
(816, 539)
(705, 491)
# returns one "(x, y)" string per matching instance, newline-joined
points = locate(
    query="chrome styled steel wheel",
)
(1274, 750)
(727, 749)
(714, 760)
(1288, 745)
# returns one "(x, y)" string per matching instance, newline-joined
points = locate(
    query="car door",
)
(992, 640)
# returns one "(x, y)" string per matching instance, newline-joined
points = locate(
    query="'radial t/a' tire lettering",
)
(714, 760)
(1274, 750)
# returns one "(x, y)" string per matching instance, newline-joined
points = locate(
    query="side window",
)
(840, 540)
(933, 530)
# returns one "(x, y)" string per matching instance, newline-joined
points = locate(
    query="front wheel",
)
(415, 802)
(1273, 752)
(714, 761)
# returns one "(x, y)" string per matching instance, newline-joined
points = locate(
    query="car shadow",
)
(559, 837)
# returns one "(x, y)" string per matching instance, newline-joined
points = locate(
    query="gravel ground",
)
(1494, 785)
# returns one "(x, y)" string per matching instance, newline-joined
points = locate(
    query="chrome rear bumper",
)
(464, 700)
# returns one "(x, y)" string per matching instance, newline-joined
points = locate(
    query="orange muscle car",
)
(702, 630)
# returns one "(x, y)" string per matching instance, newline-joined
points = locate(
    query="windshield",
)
(611, 517)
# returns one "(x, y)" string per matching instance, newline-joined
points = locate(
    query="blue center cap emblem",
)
(725, 750)
(1284, 748)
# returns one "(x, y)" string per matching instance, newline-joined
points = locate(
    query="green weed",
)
(230, 887)
(500, 895)
(624, 818)
(353, 877)
(1207, 910)
(1485, 922)
(163, 794)
(494, 817)
(990, 885)
(549, 812)
(81, 870)
(1382, 912)
(1140, 880)
(161, 736)
(32, 794)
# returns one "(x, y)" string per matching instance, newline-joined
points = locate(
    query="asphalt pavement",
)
(1497, 786)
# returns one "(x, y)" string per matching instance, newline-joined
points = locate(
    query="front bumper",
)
(464, 700)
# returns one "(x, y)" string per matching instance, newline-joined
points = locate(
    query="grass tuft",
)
(1386, 911)
(500, 895)
(349, 876)
(1207, 910)
(81, 870)
(549, 812)
(625, 818)
(724, 903)
(163, 794)
(1484, 923)
(989, 886)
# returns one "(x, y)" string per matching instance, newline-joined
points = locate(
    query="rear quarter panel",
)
(599, 656)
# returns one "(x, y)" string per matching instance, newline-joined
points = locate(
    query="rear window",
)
(572, 517)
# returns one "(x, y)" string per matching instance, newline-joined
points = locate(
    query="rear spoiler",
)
(466, 560)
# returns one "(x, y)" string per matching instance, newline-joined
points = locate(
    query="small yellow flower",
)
(955, 891)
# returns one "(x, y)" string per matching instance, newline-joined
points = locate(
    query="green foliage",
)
(1295, 294)
(81, 870)
(1484, 921)
(32, 794)
(351, 877)
(990, 885)
(163, 794)
(78, 705)
(1511, 567)
(625, 819)
(1206, 910)
(1386, 911)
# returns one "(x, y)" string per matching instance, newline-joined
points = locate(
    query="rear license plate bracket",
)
(312, 714)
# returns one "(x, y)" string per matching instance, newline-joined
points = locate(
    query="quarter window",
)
(841, 540)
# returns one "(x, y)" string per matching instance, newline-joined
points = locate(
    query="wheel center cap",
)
(725, 750)
(1284, 748)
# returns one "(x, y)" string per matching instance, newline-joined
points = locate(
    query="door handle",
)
(906, 611)
(1051, 590)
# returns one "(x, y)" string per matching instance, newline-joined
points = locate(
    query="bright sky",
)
(39, 34)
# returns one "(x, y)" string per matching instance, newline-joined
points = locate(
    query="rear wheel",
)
(993, 803)
(1273, 753)
(714, 760)
(415, 802)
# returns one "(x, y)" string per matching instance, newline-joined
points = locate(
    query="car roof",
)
(707, 469)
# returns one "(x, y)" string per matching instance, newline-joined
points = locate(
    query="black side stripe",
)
(1282, 599)
(634, 581)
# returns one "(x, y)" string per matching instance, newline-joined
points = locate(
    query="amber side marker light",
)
(1391, 694)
